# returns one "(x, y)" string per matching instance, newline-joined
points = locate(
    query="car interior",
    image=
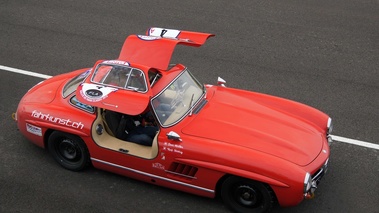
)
(104, 137)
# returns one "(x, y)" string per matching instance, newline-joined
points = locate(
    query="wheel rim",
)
(247, 196)
(68, 150)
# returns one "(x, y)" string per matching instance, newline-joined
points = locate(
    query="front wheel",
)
(68, 150)
(246, 196)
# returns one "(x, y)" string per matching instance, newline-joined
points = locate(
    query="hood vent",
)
(200, 106)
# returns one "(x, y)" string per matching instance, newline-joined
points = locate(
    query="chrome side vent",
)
(182, 171)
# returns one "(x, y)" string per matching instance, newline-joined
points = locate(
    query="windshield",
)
(176, 100)
(71, 86)
(120, 76)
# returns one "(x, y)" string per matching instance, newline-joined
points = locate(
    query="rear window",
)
(124, 77)
(71, 85)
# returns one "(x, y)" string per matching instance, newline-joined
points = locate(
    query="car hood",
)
(240, 119)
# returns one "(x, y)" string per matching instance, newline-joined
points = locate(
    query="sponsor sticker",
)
(94, 93)
(176, 148)
(35, 130)
(116, 62)
(158, 166)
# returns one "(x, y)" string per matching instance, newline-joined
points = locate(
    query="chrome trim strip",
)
(179, 174)
(317, 175)
(153, 176)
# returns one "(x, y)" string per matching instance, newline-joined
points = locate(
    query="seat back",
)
(119, 124)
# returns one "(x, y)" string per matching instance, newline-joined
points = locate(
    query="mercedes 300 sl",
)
(142, 117)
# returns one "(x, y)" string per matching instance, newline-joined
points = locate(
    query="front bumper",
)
(316, 178)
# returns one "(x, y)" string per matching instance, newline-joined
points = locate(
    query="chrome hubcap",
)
(246, 195)
(67, 149)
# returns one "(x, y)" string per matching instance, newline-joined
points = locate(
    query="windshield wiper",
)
(190, 105)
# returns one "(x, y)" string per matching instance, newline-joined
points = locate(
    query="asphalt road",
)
(322, 53)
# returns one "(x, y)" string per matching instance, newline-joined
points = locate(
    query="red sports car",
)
(145, 118)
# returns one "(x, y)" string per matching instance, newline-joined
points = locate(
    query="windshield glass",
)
(71, 86)
(120, 76)
(176, 100)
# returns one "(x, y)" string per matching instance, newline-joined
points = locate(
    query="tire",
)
(246, 196)
(68, 150)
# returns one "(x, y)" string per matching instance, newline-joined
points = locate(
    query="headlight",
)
(329, 126)
(307, 182)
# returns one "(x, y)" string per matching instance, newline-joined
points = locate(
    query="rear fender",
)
(46, 126)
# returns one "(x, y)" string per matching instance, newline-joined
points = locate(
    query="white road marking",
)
(355, 142)
(334, 137)
(24, 72)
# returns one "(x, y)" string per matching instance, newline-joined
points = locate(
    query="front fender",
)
(235, 171)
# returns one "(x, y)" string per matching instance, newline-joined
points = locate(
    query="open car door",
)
(116, 86)
(156, 47)
(153, 50)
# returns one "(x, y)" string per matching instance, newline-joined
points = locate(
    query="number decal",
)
(165, 33)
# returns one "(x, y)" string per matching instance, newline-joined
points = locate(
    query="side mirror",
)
(173, 136)
(221, 82)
